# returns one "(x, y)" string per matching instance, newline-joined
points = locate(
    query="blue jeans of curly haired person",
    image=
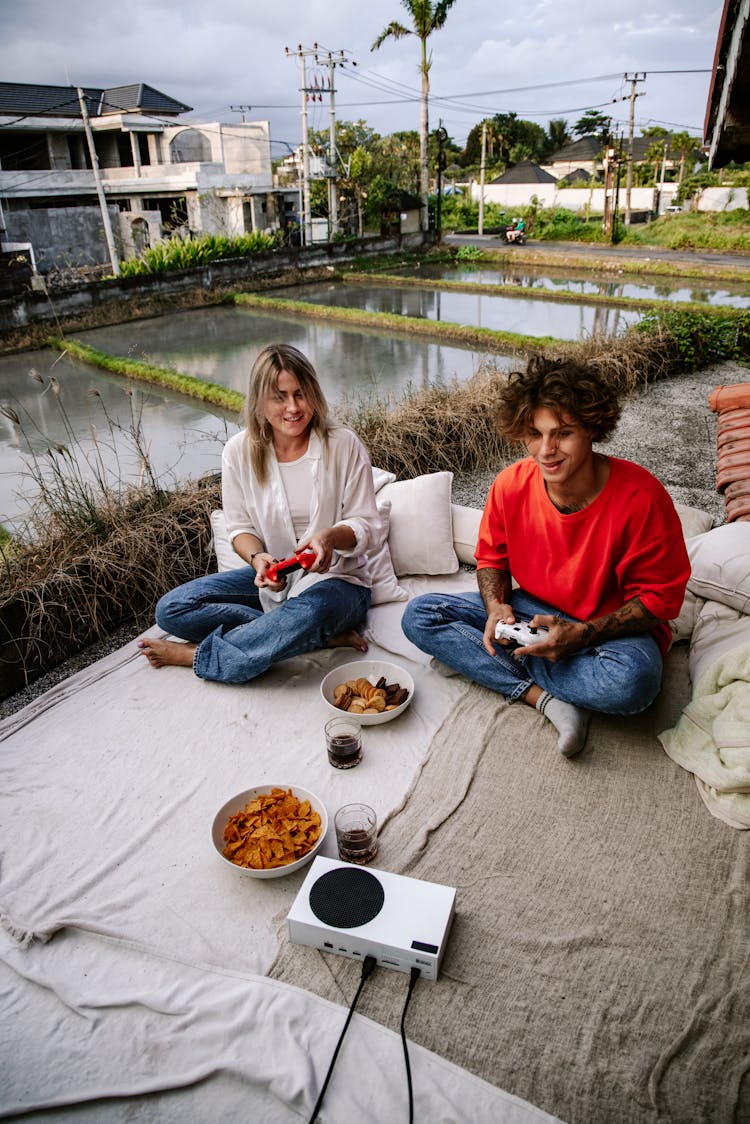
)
(237, 641)
(620, 676)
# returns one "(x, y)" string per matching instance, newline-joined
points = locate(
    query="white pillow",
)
(465, 522)
(385, 587)
(720, 565)
(693, 520)
(718, 629)
(421, 532)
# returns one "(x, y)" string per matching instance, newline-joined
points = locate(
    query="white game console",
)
(358, 911)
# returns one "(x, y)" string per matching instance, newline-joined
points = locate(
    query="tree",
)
(557, 135)
(427, 16)
(684, 144)
(594, 124)
(509, 139)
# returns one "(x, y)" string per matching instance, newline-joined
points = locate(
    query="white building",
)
(159, 175)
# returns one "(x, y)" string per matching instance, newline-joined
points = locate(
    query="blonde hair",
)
(264, 376)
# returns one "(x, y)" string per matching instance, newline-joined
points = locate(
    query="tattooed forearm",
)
(494, 586)
(631, 619)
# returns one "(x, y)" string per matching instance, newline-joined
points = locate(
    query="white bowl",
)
(371, 670)
(238, 802)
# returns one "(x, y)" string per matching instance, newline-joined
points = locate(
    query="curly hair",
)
(269, 364)
(564, 386)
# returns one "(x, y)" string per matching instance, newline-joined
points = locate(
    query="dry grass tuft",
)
(57, 596)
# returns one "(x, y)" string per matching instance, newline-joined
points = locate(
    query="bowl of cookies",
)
(372, 691)
(269, 830)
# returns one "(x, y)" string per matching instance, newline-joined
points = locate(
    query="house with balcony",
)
(160, 173)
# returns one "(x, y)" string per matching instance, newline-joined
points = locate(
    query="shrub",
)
(187, 253)
(700, 338)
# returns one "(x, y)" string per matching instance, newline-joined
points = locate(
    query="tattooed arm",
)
(566, 637)
(494, 588)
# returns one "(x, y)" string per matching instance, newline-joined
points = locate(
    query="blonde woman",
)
(291, 481)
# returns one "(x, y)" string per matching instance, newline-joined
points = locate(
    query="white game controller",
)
(521, 633)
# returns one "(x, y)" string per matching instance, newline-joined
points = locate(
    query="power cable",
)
(368, 966)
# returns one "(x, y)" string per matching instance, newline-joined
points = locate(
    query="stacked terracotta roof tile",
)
(732, 404)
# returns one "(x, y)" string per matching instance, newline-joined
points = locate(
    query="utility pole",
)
(242, 109)
(99, 187)
(633, 79)
(442, 137)
(303, 53)
(333, 200)
(480, 224)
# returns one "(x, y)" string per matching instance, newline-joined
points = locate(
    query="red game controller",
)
(301, 561)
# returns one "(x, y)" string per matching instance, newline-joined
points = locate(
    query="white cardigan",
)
(342, 494)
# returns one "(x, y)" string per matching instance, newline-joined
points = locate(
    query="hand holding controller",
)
(278, 570)
(521, 633)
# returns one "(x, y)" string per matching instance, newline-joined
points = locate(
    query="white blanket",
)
(108, 798)
(712, 737)
(132, 960)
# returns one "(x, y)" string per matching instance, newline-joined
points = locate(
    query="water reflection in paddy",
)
(184, 439)
(500, 313)
(220, 344)
(91, 416)
(735, 295)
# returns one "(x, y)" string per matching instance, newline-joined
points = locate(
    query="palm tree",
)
(685, 145)
(426, 16)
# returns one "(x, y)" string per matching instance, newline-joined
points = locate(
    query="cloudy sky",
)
(540, 59)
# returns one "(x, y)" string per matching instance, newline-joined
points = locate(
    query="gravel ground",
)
(668, 428)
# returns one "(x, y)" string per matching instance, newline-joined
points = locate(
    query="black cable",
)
(414, 976)
(368, 966)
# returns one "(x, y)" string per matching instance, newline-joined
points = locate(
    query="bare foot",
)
(352, 639)
(167, 653)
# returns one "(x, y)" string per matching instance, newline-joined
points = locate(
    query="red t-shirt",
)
(628, 543)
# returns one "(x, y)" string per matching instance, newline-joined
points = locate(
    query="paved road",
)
(598, 250)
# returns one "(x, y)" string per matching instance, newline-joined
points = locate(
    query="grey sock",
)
(571, 722)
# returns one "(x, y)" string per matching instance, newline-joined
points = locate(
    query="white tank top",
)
(296, 476)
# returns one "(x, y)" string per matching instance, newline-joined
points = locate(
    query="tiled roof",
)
(525, 172)
(27, 99)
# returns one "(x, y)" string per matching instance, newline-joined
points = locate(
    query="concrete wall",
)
(68, 307)
(578, 199)
(721, 199)
(62, 236)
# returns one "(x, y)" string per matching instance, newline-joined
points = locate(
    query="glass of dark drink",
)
(343, 742)
(356, 833)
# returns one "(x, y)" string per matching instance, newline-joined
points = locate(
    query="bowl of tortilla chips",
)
(269, 830)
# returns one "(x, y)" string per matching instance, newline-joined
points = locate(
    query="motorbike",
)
(517, 237)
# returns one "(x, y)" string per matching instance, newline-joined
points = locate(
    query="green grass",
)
(562, 296)
(727, 231)
(209, 392)
(436, 329)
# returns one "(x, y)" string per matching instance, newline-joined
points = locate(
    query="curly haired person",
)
(586, 545)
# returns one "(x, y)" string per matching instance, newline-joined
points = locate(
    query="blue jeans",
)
(618, 677)
(237, 641)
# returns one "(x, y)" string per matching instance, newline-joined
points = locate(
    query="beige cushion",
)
(421, 531)
(720, 565)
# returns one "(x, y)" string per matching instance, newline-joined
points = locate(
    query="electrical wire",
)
(368, 967)
(414, 976)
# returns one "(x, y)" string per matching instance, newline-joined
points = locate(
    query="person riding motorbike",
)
(516, 232)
